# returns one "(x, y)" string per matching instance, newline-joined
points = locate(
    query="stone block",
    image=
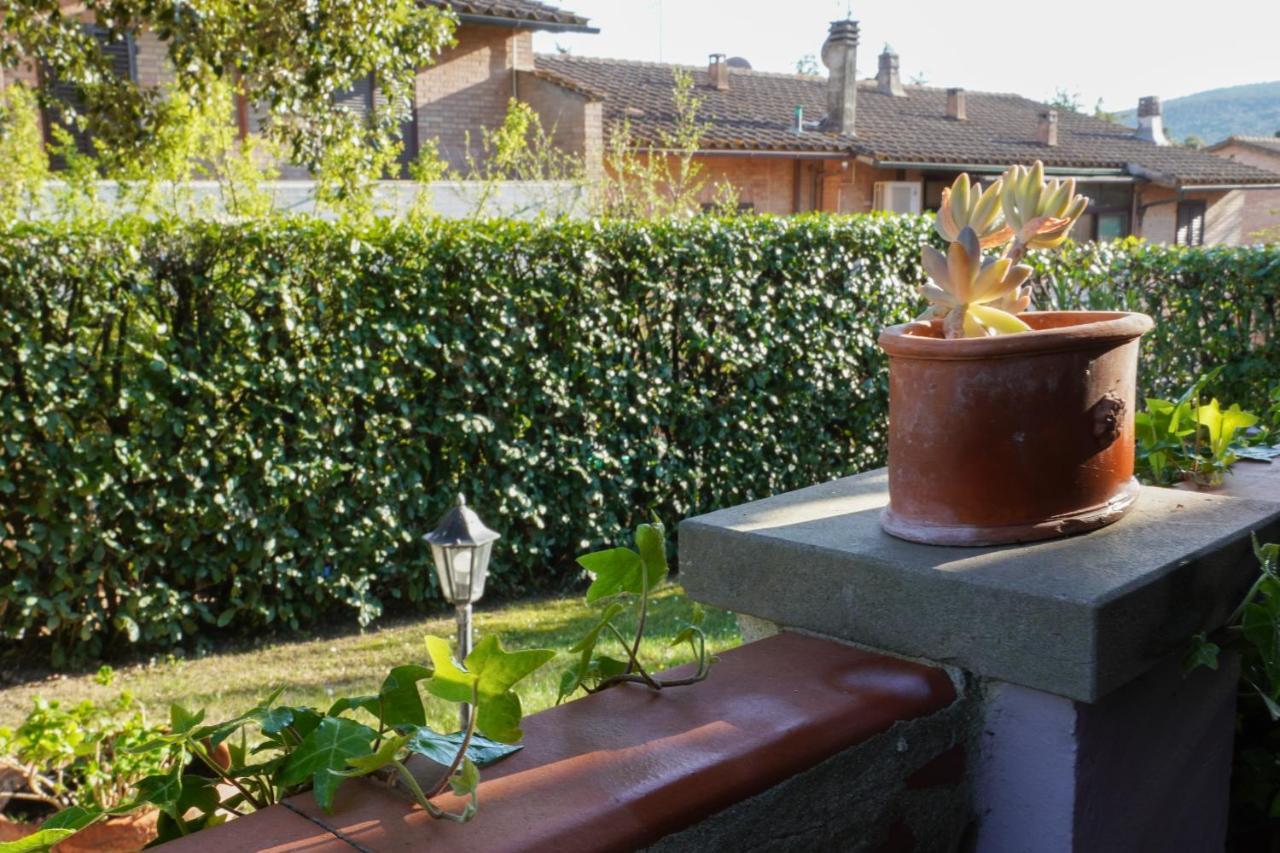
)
(1078, 617)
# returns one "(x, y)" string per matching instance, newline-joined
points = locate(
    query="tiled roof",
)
(531, 13)
(1270, 144)
(757, 114)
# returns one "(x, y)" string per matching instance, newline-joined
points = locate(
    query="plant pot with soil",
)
(1007, 426)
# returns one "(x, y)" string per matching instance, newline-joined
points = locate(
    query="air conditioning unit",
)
(897, 196)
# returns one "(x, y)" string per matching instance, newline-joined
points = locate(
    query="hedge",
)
(213, 428)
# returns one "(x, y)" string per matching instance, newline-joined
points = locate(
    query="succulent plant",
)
(965, 284)
(974, 295)
(971, 206)
(1040, 212)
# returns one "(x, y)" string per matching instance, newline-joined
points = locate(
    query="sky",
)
(1116, 50)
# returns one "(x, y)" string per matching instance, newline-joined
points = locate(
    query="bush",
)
(237, 427)
(240, 427)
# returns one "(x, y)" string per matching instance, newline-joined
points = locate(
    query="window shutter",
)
(1190, 227)
(362, 98)
(121, 55)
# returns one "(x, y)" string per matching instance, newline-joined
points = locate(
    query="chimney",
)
(955, 105)
(1151, 121)
(840, 55)
(887, 79)
(1047, 131)
(718, 71)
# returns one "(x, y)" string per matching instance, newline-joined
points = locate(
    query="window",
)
(1190, 231)
(363, 98)
(1107, 217)
(123, 58)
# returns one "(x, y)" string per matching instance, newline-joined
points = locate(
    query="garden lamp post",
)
(460, 548)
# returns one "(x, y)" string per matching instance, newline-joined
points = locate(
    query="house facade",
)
(791, 143)
(466, 89)
(1261, 220)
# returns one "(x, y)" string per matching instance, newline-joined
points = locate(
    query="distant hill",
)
(1251, 110)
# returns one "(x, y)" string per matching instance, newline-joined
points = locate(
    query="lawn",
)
(313, 672)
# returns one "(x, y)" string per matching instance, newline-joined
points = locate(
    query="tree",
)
(1100, 113)
(807, 66)
(290, 59)
(1064, 100)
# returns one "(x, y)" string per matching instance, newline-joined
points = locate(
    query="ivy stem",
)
(416, 790)
(644, 613)
(634, 661)
(462, 750)
(198, 749)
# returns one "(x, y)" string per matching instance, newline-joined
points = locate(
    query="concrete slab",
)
(1077, 617)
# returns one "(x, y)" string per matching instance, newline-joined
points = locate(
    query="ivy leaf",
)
(363, 765)
(398, 703)
(60, 826)
(467, 779)
(448, 681)
(1202, 653)
(498, 670)
(182, 721)
(499, 717)
(39, 841)
(324, 752)
(487, 680)
(651, 542)
(161, 790)
(443, 748)
(615, 570)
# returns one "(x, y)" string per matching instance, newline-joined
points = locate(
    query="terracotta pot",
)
(1012, 438)
(122, 834)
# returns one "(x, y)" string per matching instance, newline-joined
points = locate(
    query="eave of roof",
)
(1269, 144)
(755, 116)
(524, 14)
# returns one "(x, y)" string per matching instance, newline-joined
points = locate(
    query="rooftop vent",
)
(1151, 120)
(1047, 130)
(888, 81)
(718, 71)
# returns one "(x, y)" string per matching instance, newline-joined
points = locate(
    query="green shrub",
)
(217, 427)
(241, 427)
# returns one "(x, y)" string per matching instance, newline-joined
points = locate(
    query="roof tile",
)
(757, 113)
(531, 12)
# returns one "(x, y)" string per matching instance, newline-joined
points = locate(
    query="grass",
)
(314, 672)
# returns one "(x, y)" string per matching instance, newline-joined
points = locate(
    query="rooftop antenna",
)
(659, 30)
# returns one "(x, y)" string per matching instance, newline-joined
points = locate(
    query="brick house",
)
(793, 143)
(467, 88)
(1261, 152)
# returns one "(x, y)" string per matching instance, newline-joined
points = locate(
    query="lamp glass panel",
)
(481, 569)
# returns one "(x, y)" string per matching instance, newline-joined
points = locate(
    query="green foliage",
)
(299, 748)
(1185, 439)
(1213, 305)
(290, 59)
(225, 427)
(24, 166)
(1253, 632)
(621, 576)
(78, 755)
(231, 428)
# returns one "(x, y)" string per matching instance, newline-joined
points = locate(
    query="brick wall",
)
(467, 89)
(1259, 209)
(151, 60)
(573, 121)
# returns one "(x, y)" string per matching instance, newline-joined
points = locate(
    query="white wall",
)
(451, 199)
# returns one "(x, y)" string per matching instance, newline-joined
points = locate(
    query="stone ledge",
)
(626, 768)
(1078, 617)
